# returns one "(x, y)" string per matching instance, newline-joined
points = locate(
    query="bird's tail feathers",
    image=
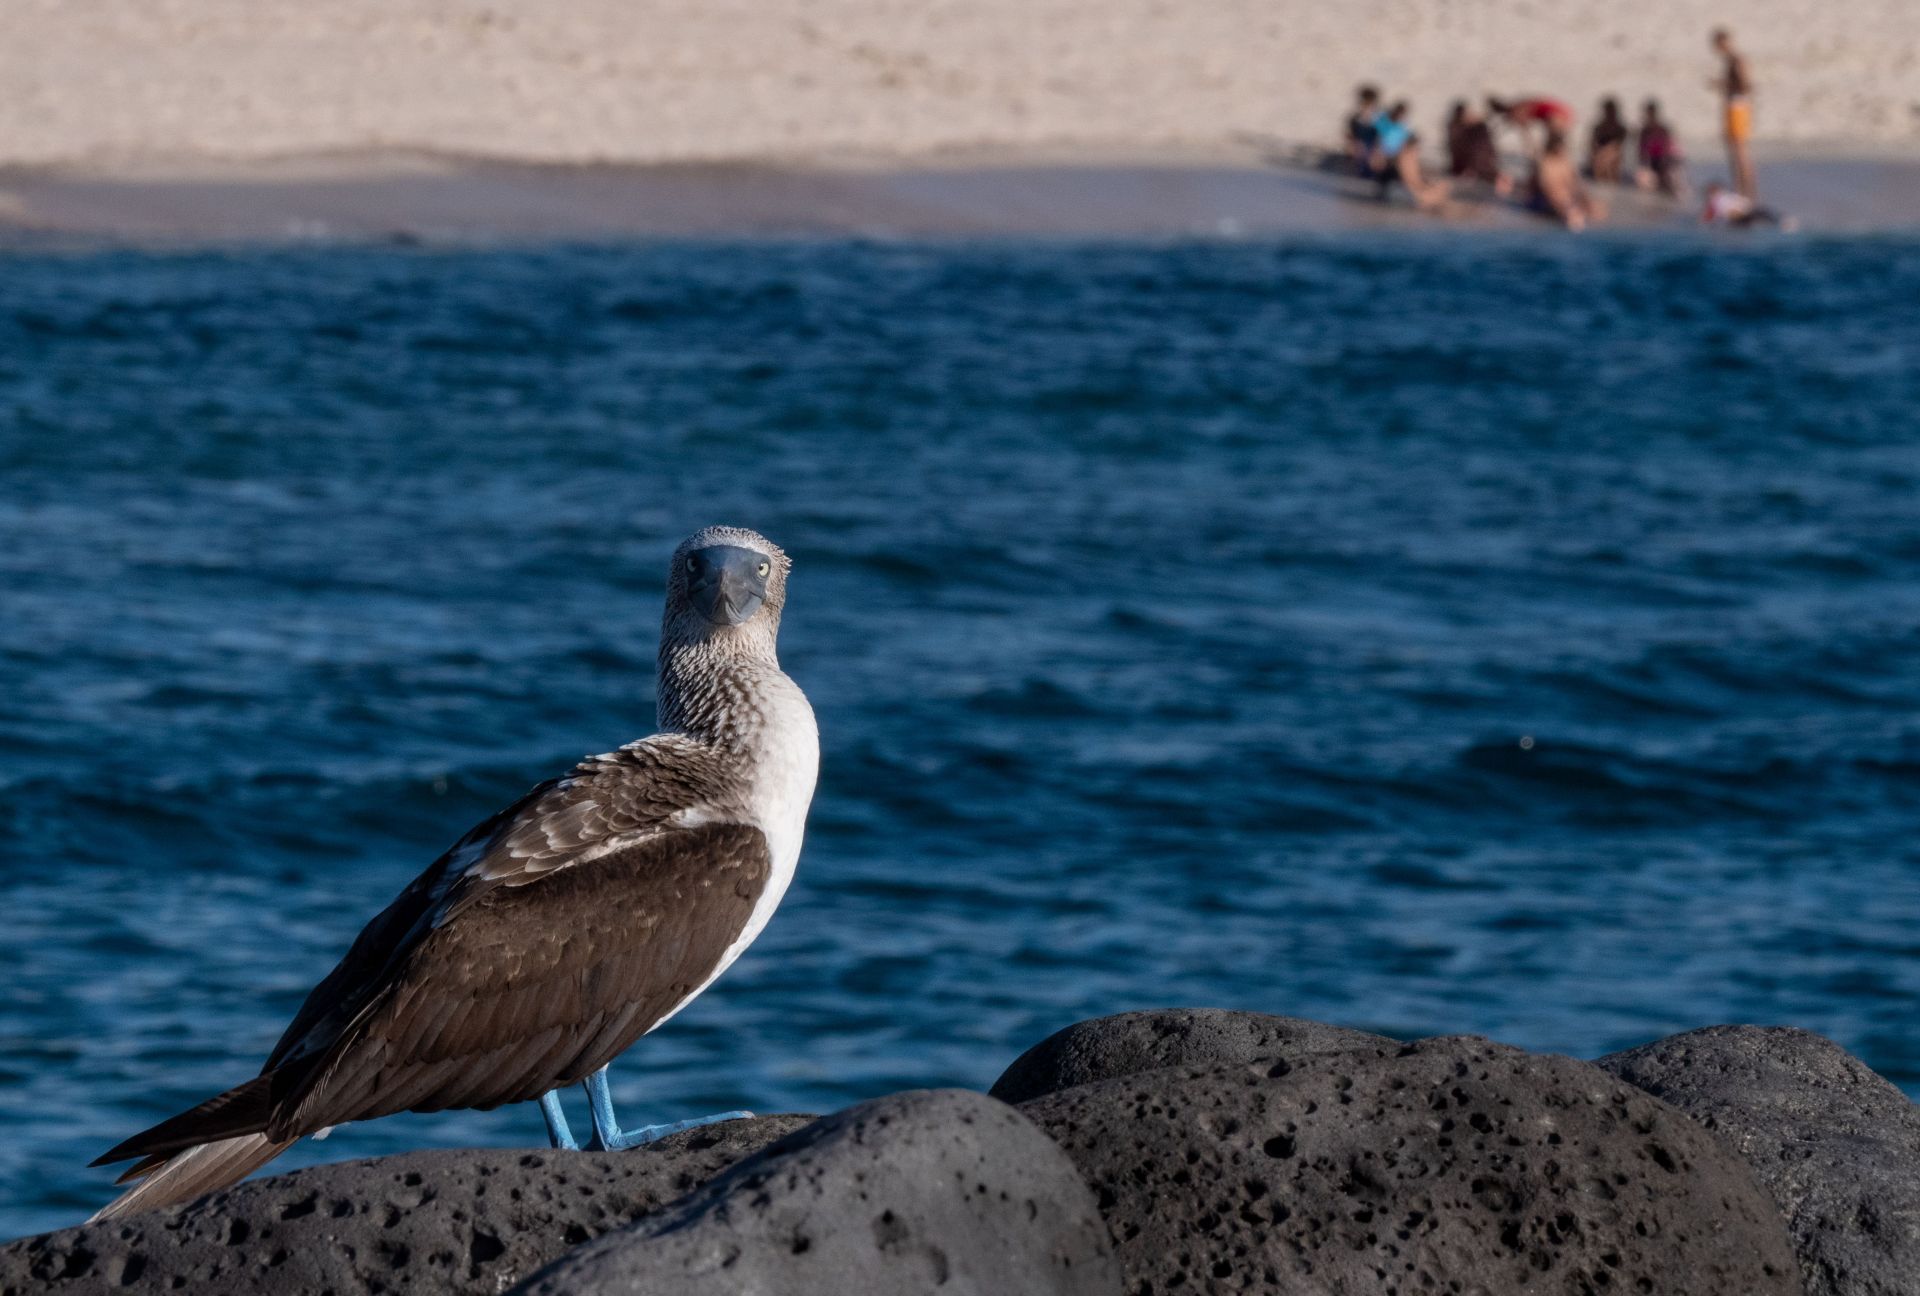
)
(219, 1142)
(243, 1109)
(170, 1178)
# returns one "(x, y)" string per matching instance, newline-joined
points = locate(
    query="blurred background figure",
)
(1556, 190)
(1607, 145)
(1363, 128)
(1733, 210)
(1660, 159)
(1735, 84)
(1471, 154)
(1396, 156)
(1456, 125)
(1527, 114)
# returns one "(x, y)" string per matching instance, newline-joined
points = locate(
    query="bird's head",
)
(726, 586)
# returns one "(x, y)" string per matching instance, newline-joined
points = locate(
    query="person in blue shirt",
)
(1391, 133)
(1396, 156)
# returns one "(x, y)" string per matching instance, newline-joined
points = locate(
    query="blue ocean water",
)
(1500, 635)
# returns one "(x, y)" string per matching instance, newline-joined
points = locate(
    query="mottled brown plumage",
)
(535, 987)
(552, 936)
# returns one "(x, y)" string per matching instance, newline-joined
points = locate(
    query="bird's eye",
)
(693, 564)
(764, 568)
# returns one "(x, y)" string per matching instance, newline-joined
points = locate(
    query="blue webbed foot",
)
(609, 1137)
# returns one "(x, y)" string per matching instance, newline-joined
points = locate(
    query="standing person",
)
(1607, 146)
(1660, 157)
(1735, 84)
(1363, 128)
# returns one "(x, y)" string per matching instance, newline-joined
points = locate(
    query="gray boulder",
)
(1447, 1165)
(1106, 1048)
(927, 1191)
(1836, 1145)
(469, 1220)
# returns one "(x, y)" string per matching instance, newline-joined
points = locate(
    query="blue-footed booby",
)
(558, 932)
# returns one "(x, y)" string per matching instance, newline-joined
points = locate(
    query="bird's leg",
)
(559, 1133)
(607, 1134)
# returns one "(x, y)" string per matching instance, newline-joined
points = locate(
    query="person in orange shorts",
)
(1735, 84)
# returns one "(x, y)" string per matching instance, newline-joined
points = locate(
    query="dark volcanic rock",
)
(1837, 1145)
(470, 1220)
(1106, 1048)
(1448, 1165)
(933, 1190)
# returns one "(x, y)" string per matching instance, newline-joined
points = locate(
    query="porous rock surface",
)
(920, 1192)
(1105, 1048)
(1451, 1165)
(442, 1221)
(1837, 1145)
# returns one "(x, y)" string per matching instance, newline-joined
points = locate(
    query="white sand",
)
(119, 81)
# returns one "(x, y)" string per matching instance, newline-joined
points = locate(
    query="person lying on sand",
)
(1396, 156)
(1731, 209)
(1556, 190)
(1607, 145)
(1471, 154)
(1661, 162)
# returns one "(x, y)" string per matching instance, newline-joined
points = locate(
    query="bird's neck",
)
(733, 698)
(719, 692)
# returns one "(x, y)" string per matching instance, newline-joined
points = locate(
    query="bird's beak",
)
(727, 588)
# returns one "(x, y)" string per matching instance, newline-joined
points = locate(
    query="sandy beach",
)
(262, 118)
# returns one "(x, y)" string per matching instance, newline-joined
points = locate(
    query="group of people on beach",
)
(1382, 146)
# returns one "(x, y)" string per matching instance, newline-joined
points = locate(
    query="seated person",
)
(1607, 145)
(1556, 190)
(1471, 154)
(1396, 156)
(1456, 123)
(1549, 115)
(1363, 129)
(1660, 159)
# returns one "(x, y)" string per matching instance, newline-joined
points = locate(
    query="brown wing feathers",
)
(539, 985)
(532, 986)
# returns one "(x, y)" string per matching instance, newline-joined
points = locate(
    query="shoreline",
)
(1248, 188)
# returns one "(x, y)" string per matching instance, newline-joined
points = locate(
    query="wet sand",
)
(1253, 190)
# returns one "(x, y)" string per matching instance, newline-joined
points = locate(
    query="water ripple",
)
(1465, 635)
